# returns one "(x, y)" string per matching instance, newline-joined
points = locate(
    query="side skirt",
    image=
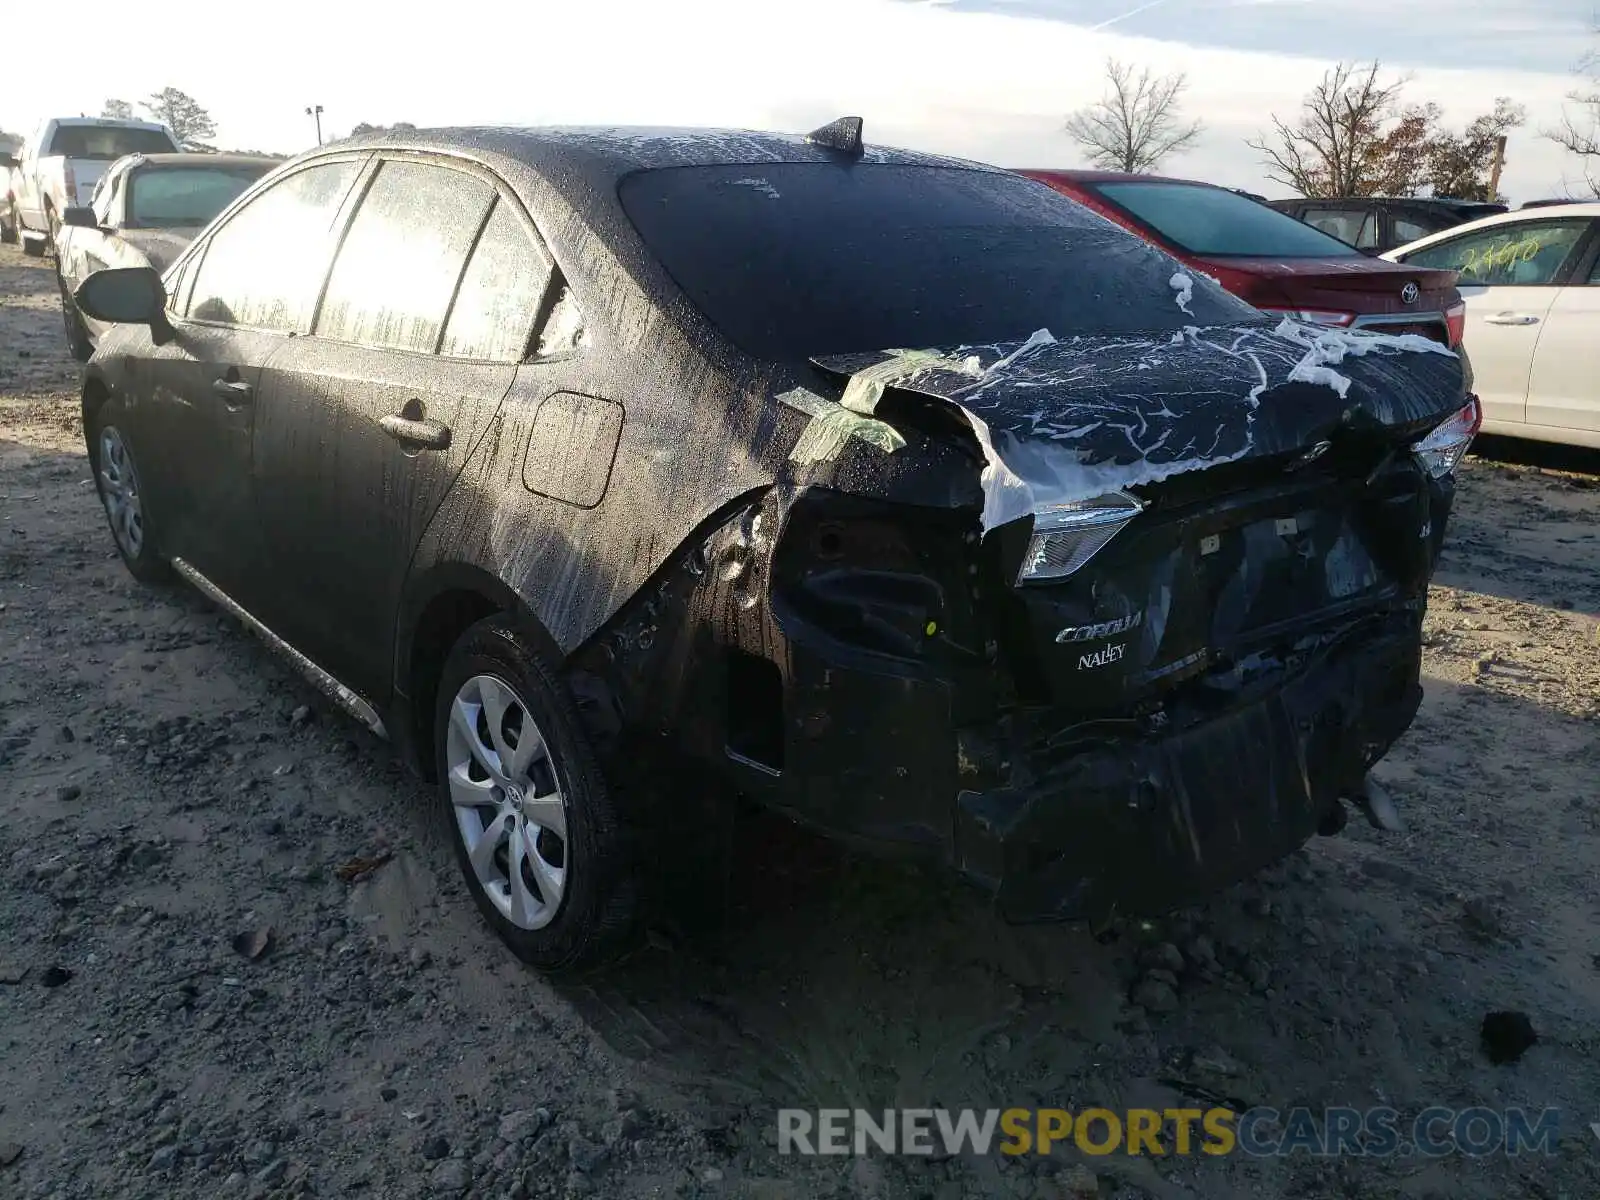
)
(325, 683)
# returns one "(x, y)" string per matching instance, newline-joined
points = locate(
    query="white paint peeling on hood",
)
(1184, 286)
(1326, 348)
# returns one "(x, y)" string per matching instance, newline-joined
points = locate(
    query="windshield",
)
(170, 197)
(1201, 219)
(108, 141)
(794, 260)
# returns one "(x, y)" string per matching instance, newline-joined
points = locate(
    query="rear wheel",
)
(32, 247)
(117, 479)
(8, 225)
(537, 832)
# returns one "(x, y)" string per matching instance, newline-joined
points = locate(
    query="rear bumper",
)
(1086, 823)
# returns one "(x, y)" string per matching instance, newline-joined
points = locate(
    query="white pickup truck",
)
(61, 163)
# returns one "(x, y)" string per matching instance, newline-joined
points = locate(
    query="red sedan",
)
(1271, 260)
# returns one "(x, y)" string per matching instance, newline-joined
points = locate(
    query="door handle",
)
(234, 391)
(426, 435)
(1511, 318)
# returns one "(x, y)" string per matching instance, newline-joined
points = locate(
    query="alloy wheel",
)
(119, 489)
(509, 802)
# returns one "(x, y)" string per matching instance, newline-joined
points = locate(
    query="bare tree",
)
(1337, 146)
(1136, 123)
(118, 109)
(1579, 131)
(182, 114)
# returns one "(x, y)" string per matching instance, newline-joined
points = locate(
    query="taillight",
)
(1314, 316)
(69, 178)
(1455, 320)
(1444, 448)
(1066, 536)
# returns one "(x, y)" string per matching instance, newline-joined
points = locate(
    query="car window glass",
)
(107, 142)
(262, 268)
(1367, 235)
(499, 295)
(397, 270)
(565, 331)
(1407, 230)
(1517, 255)
(175, 197)
(1211, 220)
(1346, 224)
(793, 260)
(1594, 272)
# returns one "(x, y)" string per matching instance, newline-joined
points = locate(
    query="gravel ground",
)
(194, 1001)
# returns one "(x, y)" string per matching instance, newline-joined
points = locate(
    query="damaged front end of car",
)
(1098, 636)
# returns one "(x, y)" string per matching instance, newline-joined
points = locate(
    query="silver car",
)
(144, 211)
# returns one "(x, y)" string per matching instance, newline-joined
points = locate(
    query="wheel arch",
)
(437, 608)
(96, 391)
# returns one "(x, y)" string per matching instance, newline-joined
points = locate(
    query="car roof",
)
(602, 155)
(1551, 212)
(198, 159)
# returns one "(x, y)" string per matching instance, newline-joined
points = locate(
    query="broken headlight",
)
(1065, 536)
(1445, 447)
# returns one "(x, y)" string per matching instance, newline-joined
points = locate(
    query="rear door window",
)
(262, 268)
(499, 296)
(396, 273)
(1521, 254)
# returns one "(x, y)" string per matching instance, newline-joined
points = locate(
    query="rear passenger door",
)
(363, 426)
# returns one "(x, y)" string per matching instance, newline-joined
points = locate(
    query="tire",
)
(116, 479)
(77, 333)
(34, 248)
(548, 818)
(52, 225)
(8, 227)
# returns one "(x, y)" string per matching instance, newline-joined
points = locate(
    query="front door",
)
(362, 428)
(255, 283)
(1509, 276)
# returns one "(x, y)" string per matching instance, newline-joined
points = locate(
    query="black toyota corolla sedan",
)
(898, 493)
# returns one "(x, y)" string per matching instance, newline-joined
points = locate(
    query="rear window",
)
(1214, 221)
(792, 260)
(107, 141)
(172, 197)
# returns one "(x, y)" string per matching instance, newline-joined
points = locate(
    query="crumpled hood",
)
(1067, 419)
(160, 246)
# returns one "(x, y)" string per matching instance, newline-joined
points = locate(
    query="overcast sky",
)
(985, 79)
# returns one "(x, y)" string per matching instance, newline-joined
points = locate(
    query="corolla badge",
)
(1410, 293)
(1092, 633)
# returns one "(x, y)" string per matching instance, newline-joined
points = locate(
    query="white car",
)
(1531, 282)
